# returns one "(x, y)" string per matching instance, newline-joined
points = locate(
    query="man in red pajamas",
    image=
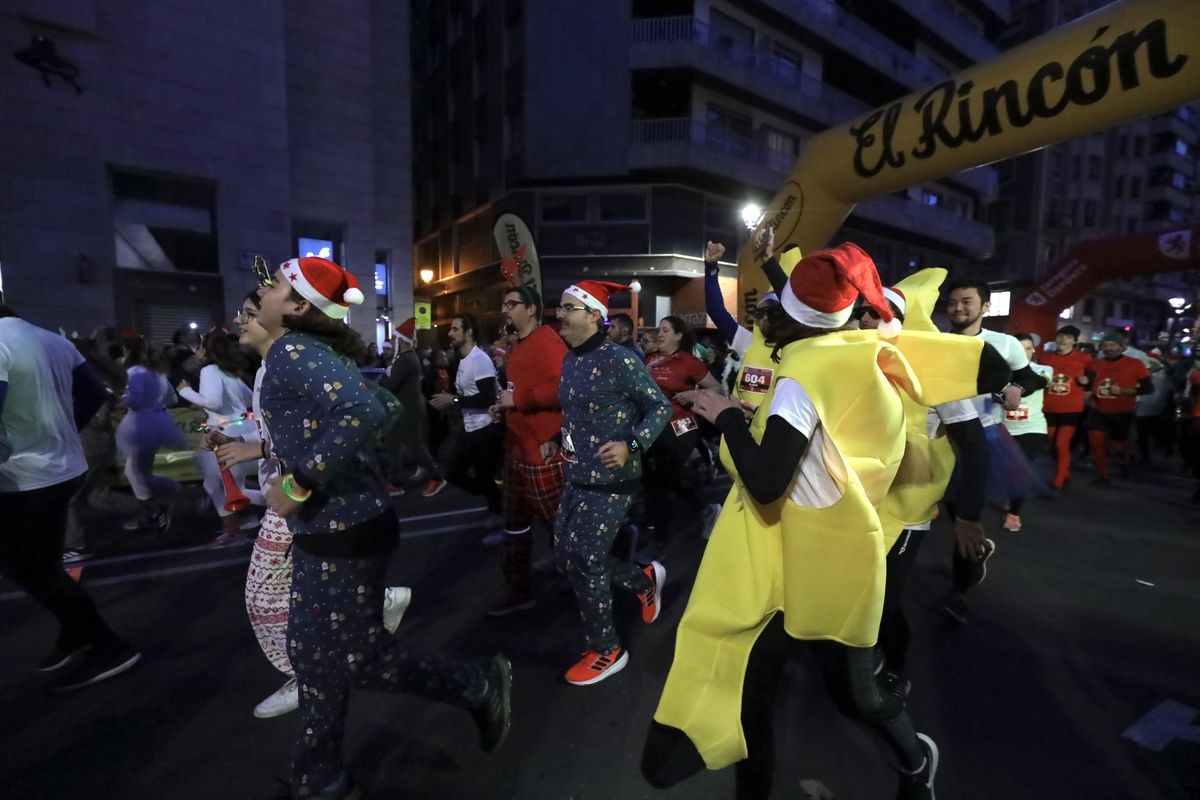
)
(532, 478)
(1116, 380)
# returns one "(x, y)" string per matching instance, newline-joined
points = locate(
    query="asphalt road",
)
(1087, 624)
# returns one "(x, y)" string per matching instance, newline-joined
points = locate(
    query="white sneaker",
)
(286, 698)
(395, 603)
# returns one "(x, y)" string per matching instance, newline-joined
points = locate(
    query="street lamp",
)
(426, 275)
(1177, 302)
(752, 215)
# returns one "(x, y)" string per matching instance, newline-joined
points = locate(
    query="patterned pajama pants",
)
(588, 521)
(336, 641)
(268, 589)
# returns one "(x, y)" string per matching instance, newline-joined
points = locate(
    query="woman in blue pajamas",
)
(323, 417)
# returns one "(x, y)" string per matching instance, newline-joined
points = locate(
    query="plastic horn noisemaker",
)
(235, 499)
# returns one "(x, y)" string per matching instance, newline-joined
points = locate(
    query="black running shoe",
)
(989, 547)
(60, 657)
(103, 660)
(494, 714)
(919, 786)
(956, 607)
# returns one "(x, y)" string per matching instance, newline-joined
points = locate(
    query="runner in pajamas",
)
(612, 412)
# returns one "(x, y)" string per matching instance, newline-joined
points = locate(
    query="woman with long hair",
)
(1027, 425)
(679, 374)
(226, 400)
(146, 429)
(269, 579)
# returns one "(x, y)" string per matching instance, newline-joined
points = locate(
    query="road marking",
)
(206, 566)
(1144, 583)
(1167, 722)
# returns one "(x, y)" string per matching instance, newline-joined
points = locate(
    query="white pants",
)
(139, 469)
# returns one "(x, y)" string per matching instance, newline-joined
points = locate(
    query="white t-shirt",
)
(39, 413)
(990, 412)
(1029, 417)
(935, 418)
(475, 366)
(813, 485)
(223, 397)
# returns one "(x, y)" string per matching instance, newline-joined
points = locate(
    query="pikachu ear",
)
(921, 291)
(789, 258)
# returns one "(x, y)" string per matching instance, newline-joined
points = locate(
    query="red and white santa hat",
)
(407, 331)
(324, 284)
(897, 298)
(824, 287)
(595, 294)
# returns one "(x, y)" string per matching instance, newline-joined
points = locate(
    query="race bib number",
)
(1059, 385)
(1105, 388)
(512, 387)
(682, 426)
(756, 379)
(1020, 415)
(568, 447)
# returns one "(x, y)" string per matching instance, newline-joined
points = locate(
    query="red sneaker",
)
(657, 574)
(595, 667)
(434, 486)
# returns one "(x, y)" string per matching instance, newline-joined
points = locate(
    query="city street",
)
(1087, 622)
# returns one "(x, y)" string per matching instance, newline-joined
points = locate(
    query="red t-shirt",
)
(678, 372)
(534, 368)
(1063, 393)
(1123, 372)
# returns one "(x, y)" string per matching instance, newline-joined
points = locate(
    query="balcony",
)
(665, 42)
(860, 40)
(682, 142)
(973, 238)
(942, 21)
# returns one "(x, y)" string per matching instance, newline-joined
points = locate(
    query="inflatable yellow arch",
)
(1128, 60)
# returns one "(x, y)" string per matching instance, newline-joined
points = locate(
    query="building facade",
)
(626, 134)
(195, 136)
(1136, 177)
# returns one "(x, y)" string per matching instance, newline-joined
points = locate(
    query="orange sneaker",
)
(432, 487)
(657, 574)
(595, 667)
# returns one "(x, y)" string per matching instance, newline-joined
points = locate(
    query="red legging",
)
(1060, 439)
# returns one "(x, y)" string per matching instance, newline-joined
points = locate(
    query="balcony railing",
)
(683, 130)
(689, 30)
(940, 17)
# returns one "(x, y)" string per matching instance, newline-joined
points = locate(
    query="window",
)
(1095, 164)
(786, 63)
(1089, 214)
(565, 208)
(164, 222)
(1181, 147)
(1076, 166)
(728, 131)
(1139, 146)
(623, 207)
(1179, 181)
(1135, 188)
(1123, 149)
(1052, 211)
(1056, 159)
(1119, 186)
(782, 149)
(999, 304)
(931, 198)
(730, 37)
(1131, 225)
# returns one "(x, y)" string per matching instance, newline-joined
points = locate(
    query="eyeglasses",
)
(567, 308)
(244, 316)
(262, 272)
(509, 305)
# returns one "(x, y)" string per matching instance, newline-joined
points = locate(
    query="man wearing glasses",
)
(533, 467)
(612, 412)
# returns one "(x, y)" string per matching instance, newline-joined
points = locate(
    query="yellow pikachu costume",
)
(822, 567)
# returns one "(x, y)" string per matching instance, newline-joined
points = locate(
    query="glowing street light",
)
(1177, 302)
(752, 215)
(426, 275)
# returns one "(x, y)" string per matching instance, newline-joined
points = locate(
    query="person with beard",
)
(1064, 398)
(1009, 475)
(1117, 380)
(322, 417)
(533, 471)
(612, 413)
(620, 330)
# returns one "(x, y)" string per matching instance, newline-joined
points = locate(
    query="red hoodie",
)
(534, 368)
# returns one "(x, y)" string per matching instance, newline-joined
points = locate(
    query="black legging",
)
(893, 628)
(849, 674)
(662, 476)
(1032, 445)
(469, 460)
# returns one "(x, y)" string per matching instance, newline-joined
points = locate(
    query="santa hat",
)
(896, 297)
(407, 331)
(324, 284)
(594, 294)
(824, 287)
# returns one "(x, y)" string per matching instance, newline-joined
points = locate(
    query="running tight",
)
(1060, 439)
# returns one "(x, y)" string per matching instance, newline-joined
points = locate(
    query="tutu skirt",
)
(1010, 474)
(154, 429)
